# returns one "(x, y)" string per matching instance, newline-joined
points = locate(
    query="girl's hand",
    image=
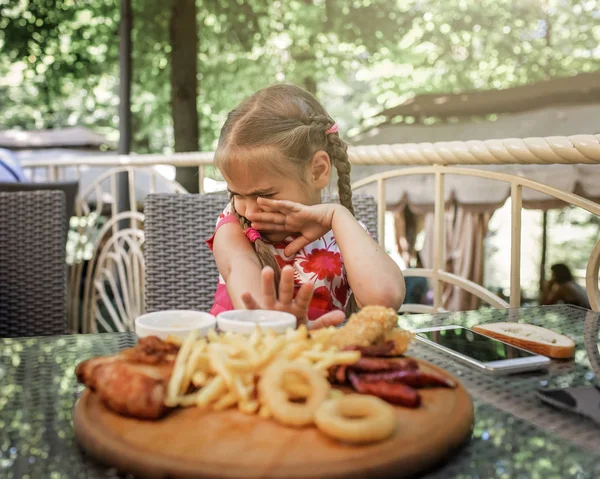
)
(312, 222)
(286, 302)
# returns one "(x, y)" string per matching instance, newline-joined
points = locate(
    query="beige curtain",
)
(428, 251)
(470, 230)
(408, 225)
(465, 229)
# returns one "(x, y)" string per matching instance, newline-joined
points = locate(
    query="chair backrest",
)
(70, 188)
(32, 263)
(180, 268)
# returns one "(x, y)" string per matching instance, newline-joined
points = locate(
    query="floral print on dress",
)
(319, 263)
(323, 264)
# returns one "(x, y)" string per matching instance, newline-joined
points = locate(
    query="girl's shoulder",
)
(226, 212)
(226, 216)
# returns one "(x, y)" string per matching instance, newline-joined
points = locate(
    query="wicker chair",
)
(32, 263)
(180, 268)
(70, 189)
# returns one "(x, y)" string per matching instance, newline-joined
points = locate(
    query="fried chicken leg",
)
(133, 382)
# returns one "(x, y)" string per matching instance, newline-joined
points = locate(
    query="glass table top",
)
(515, 435)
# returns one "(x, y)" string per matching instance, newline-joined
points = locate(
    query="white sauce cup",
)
(244, 321)
(178, 323)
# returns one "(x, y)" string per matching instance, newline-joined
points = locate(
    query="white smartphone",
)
(481, 351)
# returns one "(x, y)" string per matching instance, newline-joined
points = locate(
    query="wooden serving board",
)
(228, 444)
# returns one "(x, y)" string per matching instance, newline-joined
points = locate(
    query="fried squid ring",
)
(356, 418)
(276, 398)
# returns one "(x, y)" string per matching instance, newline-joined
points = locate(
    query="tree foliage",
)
(64, 53)
(59, 58)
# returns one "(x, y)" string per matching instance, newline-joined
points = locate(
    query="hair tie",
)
(252, 234)
(332, 129)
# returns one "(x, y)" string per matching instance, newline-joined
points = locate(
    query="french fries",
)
(222, 371)
(178, 375)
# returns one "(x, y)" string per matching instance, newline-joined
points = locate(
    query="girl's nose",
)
(251, 206)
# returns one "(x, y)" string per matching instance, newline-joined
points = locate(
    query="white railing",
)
(439, 276)
(437, 159)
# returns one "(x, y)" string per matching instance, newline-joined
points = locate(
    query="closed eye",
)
(257, 194)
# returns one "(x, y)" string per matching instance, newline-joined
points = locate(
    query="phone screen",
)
(474, 345)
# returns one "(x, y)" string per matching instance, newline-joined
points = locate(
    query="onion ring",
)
(275, 397)
(356, 419)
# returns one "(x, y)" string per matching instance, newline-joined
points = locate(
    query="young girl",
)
(276, 151)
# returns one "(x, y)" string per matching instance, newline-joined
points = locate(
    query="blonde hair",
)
(290, 122)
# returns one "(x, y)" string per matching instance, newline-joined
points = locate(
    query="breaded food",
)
(401, 339)
(133, 382)
(372, 325)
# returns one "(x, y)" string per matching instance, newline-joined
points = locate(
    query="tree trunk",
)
(184, 86)
(311, 85)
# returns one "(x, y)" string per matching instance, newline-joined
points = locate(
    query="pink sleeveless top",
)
(319, 263)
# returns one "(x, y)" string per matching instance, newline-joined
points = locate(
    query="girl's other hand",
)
(312, 222)
(286, 302)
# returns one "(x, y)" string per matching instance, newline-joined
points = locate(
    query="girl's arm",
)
(237, 262)
(249, 286)
(373, 276)
(375, 279)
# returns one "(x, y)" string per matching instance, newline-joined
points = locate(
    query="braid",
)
(263, 252)
(337, 149)
(320, 122)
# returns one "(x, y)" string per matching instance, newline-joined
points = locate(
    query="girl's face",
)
(247, 187)
(247, 184)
